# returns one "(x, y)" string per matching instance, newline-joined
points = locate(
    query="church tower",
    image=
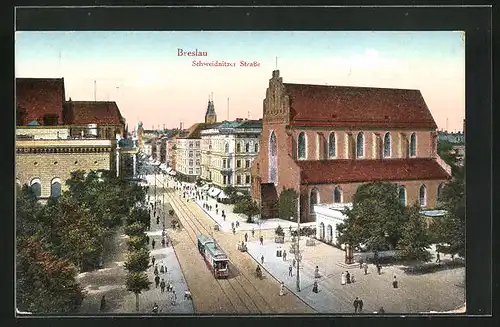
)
(210, 115)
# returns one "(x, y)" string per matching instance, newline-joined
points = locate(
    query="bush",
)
(305, 231)
(427, 268)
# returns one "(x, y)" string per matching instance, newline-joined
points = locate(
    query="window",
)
(273, 159)
(238, 163)
(247, 163)
(198, 143)
(313, 199)
(256, 147)
(228, 163)
(423, 196)
(238, 180)
(247, 147)
(224, 180)
(413, 145)
(238, 147)
(387, 145)
(360, 145)
(190, 144)
(402, 195)
(337, 195)
(247, 179)
(197, 162)
(55, 188)
(224, 163)
(36, 187)
(190, 171)
(332, 147)
(226, 148)
(190, 154)
(301, 146)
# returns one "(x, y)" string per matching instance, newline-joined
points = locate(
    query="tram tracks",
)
(235, 288)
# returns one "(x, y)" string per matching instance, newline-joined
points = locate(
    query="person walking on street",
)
(234, 231)
(232, 225)
(253, 232)
(438, 257)
(158, 220)
(156, 270)
(348, 277)
(162, 285)
(356, 304)
(379, 268)
(290, 271)
(316, 272)
(315, 287)
(162, 269)
(262, 259)
(293, 262)
(153, 244)
(261, 240)
(342, 279)
(360, 263)
(365, 267)
(246, 237)
(163, 242)
(147, 238)
(153, 260)
(282, 289)
(103, 304)
(284, 255)
(157, 281)
(352, 279)
(395, 282)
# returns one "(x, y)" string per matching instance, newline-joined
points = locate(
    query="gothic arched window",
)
(36, 187)
(247, 147)
(337, 195)
(226, 148)
(301, 146)
(313, 199)
(55, 188)
(256, 147)
(423, 196)
(273, 158)
(360, 145)
(413, 145)
(402, 195)
(387, 145)
(332, 147)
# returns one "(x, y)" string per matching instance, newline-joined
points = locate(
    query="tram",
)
(216, 260)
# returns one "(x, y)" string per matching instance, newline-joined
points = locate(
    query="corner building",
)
(325, 141)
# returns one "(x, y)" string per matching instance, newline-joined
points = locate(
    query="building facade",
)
(227, 153)
(325, 141)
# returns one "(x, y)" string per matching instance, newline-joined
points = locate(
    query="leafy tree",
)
(450, 229)
(288, 204)
(137, 242)
(139, 215)
(231, 192)
(137, 261)
(135, 229)
(248, 208)
(279, 231)
(415, 239)
(376, 218)
(136, 283)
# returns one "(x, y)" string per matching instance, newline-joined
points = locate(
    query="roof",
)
(194, 132)
(40, 96)
(348, 106)
(370, 170)
(94, 112)
(215, 250)
(241, 124)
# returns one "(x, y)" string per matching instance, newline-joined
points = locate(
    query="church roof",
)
(93, 112)
(369, 170)
(194, 132)
(357, 107)
(38, 97)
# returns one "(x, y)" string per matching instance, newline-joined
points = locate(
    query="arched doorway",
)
(329, 234)
(322, 231)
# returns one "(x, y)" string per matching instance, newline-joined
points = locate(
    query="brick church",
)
(325, 141)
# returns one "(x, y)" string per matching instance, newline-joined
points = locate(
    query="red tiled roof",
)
(370, 170)
(346, 106)
(94, 112)
(40, 96)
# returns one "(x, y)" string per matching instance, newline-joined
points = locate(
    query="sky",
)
(150, 82)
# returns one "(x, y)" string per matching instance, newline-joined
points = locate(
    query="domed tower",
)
(210, 115)
(140, 132)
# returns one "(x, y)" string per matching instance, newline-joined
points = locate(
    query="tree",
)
(288, 204)
(137, 242)
(136, 283)
(415, 240)
(248, 208)
(137, 261)
(139, 215)
(376, 218)
(135, 229)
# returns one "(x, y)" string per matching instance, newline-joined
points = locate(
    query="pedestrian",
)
(163, 232)
(163, 242)
(158, 220)
(356, 304)
(153, 244)
(162, 269)
(381, 311)
(237, 224)
(224, 217)
(290, 271)
(290, 227)
(103, 304)
(232, 225)
(348, 277)
(253, 232)
(365, 267)
(147, 238)
(395, 282)
(342, 279)
(162, 285)
(316, 272)
(261, 238)
(438, 257)
(293, 262)
(360, 263)
(284, 255)
(216, 211)
(173, 298)
(262, 259)
(234, 231)
(216, 206)
(156, 270)
(157, 281)
(153, 260)
(246, 237)
(167, 242)
(315, 287)
(223, 213)
(379, 268)
(282, 289)
(352, 279)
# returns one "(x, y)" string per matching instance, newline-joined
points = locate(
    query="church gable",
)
(276, 103)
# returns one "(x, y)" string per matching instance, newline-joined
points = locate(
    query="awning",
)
(210, 190)
(168, 169)
(215, 192)
(205, 187)
(222, 195)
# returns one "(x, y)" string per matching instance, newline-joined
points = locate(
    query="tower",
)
(210, 115)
